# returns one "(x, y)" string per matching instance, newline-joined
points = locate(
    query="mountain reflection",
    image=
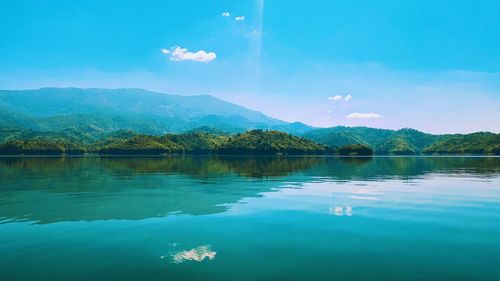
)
(196, 167)
(47, 190)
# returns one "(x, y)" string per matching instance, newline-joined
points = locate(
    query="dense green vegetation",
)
(408, 141)
(255, 142)
(476, 143)
(382, 141)
(198, 142)
(397, 146)
(271, 142)
(40, 146)
(139, 145)
(134, 121)
(189, 143)
(355, 150)
(102, 111)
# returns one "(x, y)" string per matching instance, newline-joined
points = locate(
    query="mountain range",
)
(91, 115)
(106, 110)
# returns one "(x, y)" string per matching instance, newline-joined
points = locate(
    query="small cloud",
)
(363, 116)
(335, 98)
(179, 54)
(239, 18)
(226, 14)
(348, 98)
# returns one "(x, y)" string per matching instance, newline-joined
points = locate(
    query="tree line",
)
(255, 142)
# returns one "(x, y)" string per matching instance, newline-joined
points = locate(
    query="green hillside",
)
(135, 121)
(397, 145)
(197, 142)
(41, 146)
(355, 150)
(340, 136)
(139, 145)
(102, 111)
(476, 143)
(382, 141)
(255, 142)
(271, 142)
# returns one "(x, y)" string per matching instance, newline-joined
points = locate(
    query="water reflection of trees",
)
(356, 160)
(404, 167)
(47, 190)
(200, 167)
(258, 167)
(254, 167)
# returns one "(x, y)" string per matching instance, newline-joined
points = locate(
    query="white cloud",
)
(239, 18)
(226, 14)
(348, 98)
(179, 54)
(363, 116)
(335, 98)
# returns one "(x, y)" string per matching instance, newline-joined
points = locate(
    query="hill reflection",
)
(381, 168)
(47, 190)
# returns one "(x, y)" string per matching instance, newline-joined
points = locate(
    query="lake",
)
(229, 218)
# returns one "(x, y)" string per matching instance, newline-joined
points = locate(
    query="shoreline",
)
(243, 156)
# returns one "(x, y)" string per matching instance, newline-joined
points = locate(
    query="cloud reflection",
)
(340, 210)
(196, 254)
(363, 198)
(348, 211)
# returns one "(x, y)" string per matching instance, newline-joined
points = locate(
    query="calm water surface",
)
(250, 219)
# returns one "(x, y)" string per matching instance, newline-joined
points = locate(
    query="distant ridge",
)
(407, 141)
(56, 109)
(92, 115)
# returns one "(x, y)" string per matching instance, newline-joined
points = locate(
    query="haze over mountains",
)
(104, 110)
(89, 115)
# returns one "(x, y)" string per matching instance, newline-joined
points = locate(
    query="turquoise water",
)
(250, 219)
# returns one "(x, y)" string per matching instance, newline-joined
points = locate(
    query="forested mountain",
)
(383, 141)
(407, 141)
(73, 121)
(476, 143)
(106, 110)
(206, 140)
(255, 142)
(271, 142)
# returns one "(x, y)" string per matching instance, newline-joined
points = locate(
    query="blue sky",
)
(430, 65)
